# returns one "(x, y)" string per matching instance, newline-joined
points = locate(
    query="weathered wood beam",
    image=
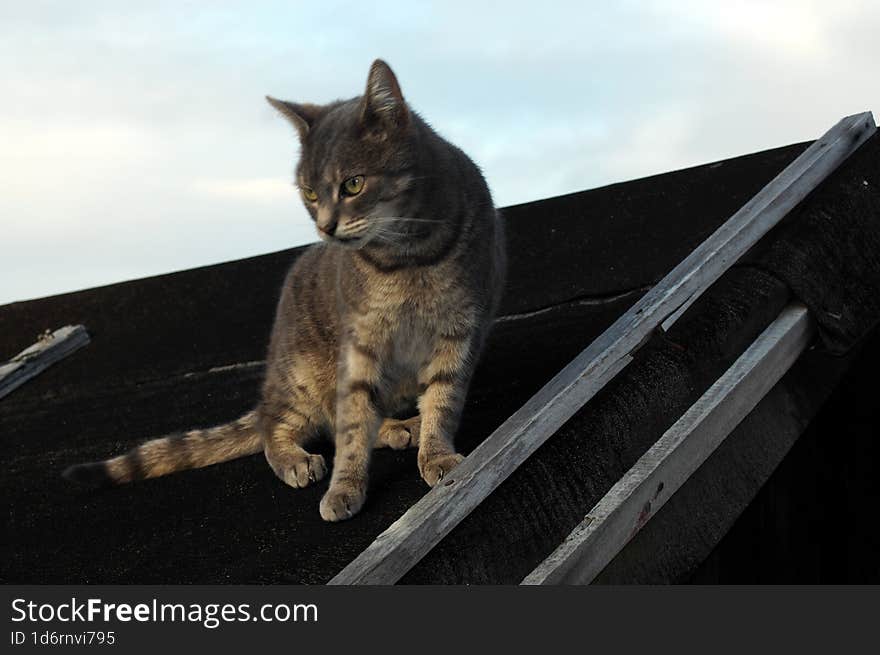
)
(407, 540)
(667, 465)
(32, 361)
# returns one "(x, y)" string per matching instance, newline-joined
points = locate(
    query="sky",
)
(135, 139)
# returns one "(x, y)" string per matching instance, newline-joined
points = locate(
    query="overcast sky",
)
(134, 138)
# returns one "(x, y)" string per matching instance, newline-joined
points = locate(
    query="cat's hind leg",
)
(399, 433)
(284, 432)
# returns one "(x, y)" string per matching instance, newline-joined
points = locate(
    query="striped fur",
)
(177, 452)
(386, 317)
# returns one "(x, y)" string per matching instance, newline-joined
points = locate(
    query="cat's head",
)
(357, 162)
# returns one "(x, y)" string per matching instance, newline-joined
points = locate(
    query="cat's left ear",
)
(383, 104)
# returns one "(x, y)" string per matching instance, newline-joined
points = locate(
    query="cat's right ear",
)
(383, 107)
(301, 116)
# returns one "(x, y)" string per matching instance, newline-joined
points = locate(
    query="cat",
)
(388, 312)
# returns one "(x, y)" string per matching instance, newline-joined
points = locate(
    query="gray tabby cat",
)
(389, 313)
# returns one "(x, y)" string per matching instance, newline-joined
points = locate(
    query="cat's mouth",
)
(355, 241)
(349, 239)
(356, 234)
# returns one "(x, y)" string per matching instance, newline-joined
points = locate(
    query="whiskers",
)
(404, 219)
(356, 227)
(382, 232)
(393, 231)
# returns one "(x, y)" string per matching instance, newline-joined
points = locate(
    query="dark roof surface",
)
(183, 350)
(826, 253)
(810, 522)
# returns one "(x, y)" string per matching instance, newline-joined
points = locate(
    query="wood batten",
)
(667, 465)
(49, 349)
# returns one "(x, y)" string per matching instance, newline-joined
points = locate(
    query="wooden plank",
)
(32, 361)
(667, 465)
(407, 540)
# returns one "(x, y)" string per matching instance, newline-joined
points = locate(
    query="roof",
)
(185, 349)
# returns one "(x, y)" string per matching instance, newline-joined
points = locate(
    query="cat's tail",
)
(177, 452)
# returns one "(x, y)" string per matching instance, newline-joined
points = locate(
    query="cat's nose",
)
(327, 223)
(329, 228)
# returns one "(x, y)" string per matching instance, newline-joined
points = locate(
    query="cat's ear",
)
(383, 105)
(302, 116)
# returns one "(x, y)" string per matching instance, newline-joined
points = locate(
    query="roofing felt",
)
(811, 522)
(184, 349)
(837, 230)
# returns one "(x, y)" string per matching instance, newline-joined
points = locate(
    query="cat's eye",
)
(353, 185)
(309, 193)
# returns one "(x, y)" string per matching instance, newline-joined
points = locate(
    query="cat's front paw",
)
(397, 434)
(436, 467)
(298, 469)
(341, 502)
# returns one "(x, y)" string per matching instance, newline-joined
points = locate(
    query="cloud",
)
(266, 189)
(136, 139)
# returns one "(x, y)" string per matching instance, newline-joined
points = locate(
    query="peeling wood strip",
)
(32, 361)
(252, 365)
(667, 465)
(407, 540)
(674, 316)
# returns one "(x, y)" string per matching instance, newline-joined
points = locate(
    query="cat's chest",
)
(418, 299)
(405, 317)
(406, 329)
(410, 344)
